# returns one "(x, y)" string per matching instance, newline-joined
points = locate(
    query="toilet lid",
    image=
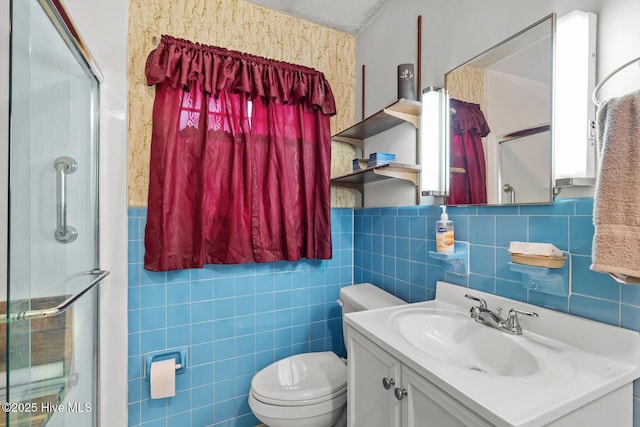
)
(302, 379)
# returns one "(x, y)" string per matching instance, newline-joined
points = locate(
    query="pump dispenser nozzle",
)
(444, 215)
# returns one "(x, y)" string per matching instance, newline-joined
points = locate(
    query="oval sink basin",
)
(461, 341)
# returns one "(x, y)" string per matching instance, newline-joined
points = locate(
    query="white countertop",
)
(580, 360)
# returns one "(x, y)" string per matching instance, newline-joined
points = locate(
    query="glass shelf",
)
(357, 179)
(401, 111)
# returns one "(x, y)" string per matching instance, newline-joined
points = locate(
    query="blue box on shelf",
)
(380, 158)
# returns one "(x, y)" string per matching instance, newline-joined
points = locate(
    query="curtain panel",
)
(468, 181)
(240, 159)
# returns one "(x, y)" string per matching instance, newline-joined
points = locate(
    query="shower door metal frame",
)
(5, 69)
(62, 21)
(65, 27)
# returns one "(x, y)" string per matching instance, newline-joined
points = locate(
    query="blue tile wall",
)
(381, 257)
(233, 320)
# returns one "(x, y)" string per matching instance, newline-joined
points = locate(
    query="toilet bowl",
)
(310, 389)
(305, 390)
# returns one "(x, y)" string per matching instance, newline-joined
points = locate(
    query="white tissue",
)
(531, 248)
(163, 378)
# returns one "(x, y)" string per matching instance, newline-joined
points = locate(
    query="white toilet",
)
(310, 389)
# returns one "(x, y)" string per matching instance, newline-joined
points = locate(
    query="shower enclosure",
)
(524, 166)
(49, 266)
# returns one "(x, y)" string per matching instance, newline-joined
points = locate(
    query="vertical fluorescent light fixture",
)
(434, 142)
(573, 130)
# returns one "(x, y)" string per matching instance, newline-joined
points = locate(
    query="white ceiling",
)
(349, 16)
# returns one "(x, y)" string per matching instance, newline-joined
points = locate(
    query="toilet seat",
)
(296, 411)
(301, 380)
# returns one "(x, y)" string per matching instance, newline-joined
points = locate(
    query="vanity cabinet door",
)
(370, 370)
(426, 405)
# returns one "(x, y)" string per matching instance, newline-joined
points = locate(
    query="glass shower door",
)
(524, 168)
(51, 307)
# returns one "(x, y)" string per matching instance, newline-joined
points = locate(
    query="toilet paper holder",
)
(180, 356)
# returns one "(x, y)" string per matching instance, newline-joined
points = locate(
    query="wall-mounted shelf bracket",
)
(406, 110)
(399, 173)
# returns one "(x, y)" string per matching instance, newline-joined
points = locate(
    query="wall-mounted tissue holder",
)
(180, 356)
(457, 262)
(554, 281)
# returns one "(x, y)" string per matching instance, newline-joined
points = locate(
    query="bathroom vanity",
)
(431, 364)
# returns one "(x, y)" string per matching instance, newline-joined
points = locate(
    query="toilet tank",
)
(365, 296)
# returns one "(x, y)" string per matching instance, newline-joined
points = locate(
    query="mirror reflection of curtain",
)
(468, 181)
(240, 159)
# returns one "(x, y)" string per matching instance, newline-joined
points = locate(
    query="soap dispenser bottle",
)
(444, 233)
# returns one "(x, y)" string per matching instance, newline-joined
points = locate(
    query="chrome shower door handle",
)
(508, 188)
(64, 166)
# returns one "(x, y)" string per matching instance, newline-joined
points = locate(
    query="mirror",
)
(501, 111)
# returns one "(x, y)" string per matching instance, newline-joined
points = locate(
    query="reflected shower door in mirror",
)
(501, 113)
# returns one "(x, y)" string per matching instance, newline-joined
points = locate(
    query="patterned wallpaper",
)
(242, 26)
(467, 84)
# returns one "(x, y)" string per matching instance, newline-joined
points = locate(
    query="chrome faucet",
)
(511, 325)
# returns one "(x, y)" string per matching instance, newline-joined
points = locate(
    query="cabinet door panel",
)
(369, 403)
(428, 406)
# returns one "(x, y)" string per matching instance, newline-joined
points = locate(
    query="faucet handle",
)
(512, 324)
(483, 303)
(515, 311)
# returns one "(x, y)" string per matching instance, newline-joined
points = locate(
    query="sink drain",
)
(475, 368)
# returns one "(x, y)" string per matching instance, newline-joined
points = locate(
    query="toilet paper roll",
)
(163, 378)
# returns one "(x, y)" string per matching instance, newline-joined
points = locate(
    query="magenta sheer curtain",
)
(240, 159)
(468, 181)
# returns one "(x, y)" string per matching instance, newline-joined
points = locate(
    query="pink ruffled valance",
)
(183, 63)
